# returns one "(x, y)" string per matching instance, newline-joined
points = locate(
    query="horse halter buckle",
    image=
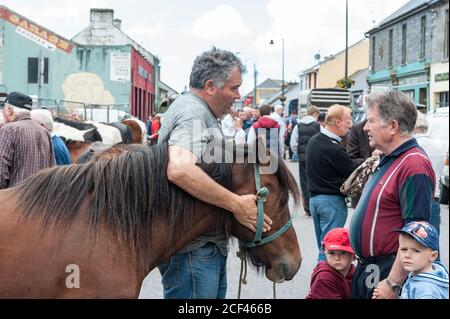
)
(262, 194)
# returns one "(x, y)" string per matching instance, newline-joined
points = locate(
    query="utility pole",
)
(282, 68)
(255, 77)
(41, 70)
(346, 39)
(282, 74)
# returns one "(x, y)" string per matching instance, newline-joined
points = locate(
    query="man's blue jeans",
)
(328, 212)
(435, 219)
(199, 274)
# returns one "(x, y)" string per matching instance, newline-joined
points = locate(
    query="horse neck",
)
(165, 241)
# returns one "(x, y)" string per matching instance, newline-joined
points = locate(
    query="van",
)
(323, 99)
(438, 125)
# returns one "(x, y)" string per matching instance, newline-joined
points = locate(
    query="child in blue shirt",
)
(418, 249)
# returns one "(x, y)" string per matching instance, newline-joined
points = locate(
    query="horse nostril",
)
(256, 261)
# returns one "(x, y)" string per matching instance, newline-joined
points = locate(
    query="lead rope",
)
(243, 272)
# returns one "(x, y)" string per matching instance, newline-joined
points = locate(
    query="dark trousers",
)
(365, 279)
(304, 185)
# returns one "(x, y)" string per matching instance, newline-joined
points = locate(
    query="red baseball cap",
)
(338, 239)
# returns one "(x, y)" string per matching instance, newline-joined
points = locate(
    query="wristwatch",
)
(393, 286)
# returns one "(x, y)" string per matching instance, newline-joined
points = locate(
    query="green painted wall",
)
(15, 50)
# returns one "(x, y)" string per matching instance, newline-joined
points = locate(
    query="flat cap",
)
(18, 99)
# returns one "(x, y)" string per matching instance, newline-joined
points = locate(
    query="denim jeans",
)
(328, 212)
(435, 219)
(199, 274)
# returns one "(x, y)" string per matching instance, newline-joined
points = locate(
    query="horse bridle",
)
(261, 197)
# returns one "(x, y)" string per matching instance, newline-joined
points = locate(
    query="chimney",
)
(102, 18)
(117, 23)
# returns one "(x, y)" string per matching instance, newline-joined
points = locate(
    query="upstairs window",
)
(33, 70)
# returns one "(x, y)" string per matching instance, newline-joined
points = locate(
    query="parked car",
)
(438, 128)
(444, 183)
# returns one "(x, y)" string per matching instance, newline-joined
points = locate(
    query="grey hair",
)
(44, 117)
(18, 110)
(215, 65)
(395, 106)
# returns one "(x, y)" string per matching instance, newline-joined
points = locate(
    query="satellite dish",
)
(317, 56)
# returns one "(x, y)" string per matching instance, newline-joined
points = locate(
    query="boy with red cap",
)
(332, 279)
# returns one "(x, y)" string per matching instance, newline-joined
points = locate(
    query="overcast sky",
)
(178, 30)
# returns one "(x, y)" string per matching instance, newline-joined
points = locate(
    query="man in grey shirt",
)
(191, 122)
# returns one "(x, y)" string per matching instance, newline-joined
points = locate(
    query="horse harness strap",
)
(261, 197)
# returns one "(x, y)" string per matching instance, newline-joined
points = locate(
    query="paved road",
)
(258, 286)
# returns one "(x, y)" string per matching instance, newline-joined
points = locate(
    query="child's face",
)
(339, 260)
(414, 257)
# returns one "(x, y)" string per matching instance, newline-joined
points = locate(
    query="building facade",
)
(101, 67)
(401, 50)
(332, 69)
(439, 73)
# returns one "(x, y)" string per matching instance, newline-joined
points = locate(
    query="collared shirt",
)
(190, 123)
(400, 190)
(331, 135)
(25, 149)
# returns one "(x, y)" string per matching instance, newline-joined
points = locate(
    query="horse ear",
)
(263, 153)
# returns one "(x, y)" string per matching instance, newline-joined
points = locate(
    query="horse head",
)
(256, 171)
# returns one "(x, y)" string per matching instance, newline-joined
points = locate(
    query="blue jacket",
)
(62, 155)
(428, 285)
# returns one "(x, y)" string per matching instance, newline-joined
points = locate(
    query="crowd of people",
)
(395, 225)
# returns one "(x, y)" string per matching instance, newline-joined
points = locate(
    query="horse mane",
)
(125, 193)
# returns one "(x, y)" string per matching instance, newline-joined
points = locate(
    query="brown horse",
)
(96, 230)
(138, 130)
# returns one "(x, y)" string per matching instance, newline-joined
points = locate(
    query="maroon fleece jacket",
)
(328, 283)
(266, 122)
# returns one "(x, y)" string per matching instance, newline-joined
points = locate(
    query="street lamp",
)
(255, 74)
(282, 97)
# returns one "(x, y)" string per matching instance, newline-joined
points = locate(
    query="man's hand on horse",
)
(246, 213)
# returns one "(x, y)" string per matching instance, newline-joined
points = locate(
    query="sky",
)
(176, 31)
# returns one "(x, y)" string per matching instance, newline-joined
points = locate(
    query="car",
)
(438, 128)
(444, 183)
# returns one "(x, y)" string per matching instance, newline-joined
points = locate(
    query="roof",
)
(408, 8)
(290, 87)
(270, 84)
(316, 67)
(107, 33)
(165, 87)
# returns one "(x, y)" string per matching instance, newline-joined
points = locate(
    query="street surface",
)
(258, 287)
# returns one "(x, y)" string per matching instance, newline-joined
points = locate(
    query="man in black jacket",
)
(358, 148)
(306, 128)
(327, 167)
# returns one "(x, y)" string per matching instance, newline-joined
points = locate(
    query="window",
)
(374, 40)
(391, 47)
(423, 31)
(443, 99)
(404, 47)
(423, 97)
(33, 70)
(446, 36)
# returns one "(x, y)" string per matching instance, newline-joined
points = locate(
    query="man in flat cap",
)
(25, 145)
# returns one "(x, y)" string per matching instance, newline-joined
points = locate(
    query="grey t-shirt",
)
(189, 123)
